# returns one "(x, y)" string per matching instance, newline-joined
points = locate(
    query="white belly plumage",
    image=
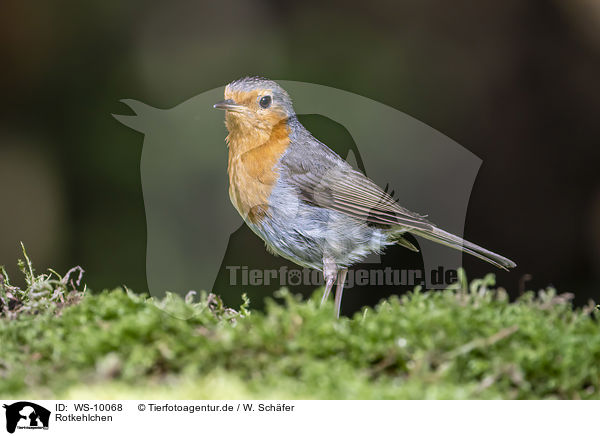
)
(306, 234)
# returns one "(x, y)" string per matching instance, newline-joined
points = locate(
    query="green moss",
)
(457, 343)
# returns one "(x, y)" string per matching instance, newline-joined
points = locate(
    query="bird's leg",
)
(329, 273)
(339, 289)
(328, 285)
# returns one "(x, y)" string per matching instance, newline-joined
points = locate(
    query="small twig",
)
(481, 342)
(65, 279)
(385, 363)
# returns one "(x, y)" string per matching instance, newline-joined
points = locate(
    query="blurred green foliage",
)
(465, 342)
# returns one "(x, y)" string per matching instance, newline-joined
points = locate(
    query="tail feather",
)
(450, 240)
(405, 243)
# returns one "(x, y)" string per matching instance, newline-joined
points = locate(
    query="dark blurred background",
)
(515, 82)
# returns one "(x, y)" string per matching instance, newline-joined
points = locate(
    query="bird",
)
(303, 200)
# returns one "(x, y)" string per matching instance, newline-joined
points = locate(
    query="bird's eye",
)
(265, 102)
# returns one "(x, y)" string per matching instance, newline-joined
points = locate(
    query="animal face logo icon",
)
(26, 415)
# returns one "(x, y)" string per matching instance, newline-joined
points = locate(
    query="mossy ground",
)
(466, 342)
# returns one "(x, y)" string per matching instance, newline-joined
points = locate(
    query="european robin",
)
(304, 201)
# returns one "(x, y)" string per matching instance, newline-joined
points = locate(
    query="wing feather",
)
(326, 180)
(349, 191)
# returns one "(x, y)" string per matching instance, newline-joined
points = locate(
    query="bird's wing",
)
(324, 179)
(350, 192)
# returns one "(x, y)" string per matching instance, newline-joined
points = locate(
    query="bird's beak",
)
(228, 105)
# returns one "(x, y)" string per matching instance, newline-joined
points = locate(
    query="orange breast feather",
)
(252, 173)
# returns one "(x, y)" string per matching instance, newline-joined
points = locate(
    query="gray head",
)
(257, 99)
